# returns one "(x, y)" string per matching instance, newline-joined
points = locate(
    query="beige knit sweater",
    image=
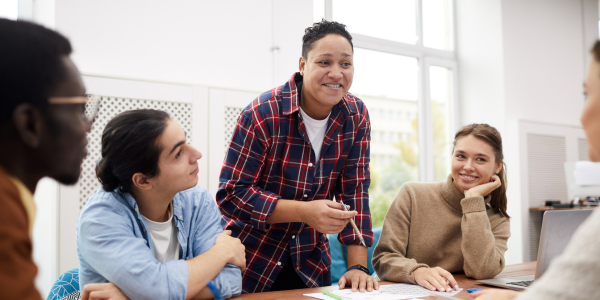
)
(434, 225)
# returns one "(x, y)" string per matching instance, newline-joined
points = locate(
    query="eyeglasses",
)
(92, 105)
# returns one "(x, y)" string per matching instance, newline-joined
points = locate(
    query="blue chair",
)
(66, 286)
(339, 255)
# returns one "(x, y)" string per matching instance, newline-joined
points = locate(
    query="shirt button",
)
(279, 263)
(305, 195)
(293, 236)
(181, 216)
(310, 164)
(136, 209)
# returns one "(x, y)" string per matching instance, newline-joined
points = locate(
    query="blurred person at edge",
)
(294, 149)
(574, 274)
(38, 138)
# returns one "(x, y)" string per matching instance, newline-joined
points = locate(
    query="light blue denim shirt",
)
(114, 245)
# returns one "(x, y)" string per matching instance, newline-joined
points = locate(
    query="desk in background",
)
(464, 282)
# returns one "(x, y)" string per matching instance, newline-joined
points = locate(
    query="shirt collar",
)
(177, 207)
(26, 197)
(290, 96)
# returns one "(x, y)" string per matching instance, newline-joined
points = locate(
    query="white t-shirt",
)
(164, 238)
(316, 132)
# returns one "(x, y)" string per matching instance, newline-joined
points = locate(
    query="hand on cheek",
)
(484, 189)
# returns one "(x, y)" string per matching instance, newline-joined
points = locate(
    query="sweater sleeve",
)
(483, 244)
(389, 257)
(17, 269)
(574, 273)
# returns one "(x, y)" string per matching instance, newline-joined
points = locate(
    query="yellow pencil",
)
(354, 226)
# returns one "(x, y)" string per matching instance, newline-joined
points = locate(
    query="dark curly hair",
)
(30, 65)
(319, 30)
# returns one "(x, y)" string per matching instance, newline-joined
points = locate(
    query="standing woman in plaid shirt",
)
(295, 148)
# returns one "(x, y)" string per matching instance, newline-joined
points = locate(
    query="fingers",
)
(340, 214)
(425, 283)
(227, 232)
(342, 282)
(355, 282)
(453, 284)
(438, 282)
(334, 205)
(444, 283)
(370, 283)
(88, 288)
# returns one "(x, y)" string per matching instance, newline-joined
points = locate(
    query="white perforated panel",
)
(231, 117)
(546, 156)
(110, 107)
(582, 149)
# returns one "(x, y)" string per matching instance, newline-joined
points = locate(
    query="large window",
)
(405, 74)
(9, 9)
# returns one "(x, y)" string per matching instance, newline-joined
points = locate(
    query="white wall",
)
(544, 60)
(480, 58)
(213, 43)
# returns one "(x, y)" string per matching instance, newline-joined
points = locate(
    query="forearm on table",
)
(202, 269)
(287, 211)
(483, 249)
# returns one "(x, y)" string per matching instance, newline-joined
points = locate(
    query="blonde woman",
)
(461, 224)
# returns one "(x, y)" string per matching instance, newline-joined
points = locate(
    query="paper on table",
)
(386, 292)
(411, 289)
(347, 294)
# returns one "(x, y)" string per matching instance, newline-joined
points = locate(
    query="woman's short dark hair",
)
(596, 51)
(490, 136)
(321, 29)
(130, 144)
(30, 65)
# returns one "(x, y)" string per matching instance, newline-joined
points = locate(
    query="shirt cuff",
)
(178, 278)
(472, 204)
(263, 207)
(349, 237)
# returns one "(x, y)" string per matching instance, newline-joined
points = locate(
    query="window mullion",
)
(419, 19)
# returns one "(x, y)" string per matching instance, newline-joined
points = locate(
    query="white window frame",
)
(426, 57)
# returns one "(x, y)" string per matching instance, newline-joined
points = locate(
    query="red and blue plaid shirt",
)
(270, 158)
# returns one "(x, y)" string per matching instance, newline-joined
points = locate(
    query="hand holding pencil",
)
(325, 216)
(354, 226)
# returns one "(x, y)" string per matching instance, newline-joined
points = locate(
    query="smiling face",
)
(590, 118)
(473, 163)
(178, 161)
(327, 72)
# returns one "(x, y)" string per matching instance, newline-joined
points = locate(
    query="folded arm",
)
(483, 247)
